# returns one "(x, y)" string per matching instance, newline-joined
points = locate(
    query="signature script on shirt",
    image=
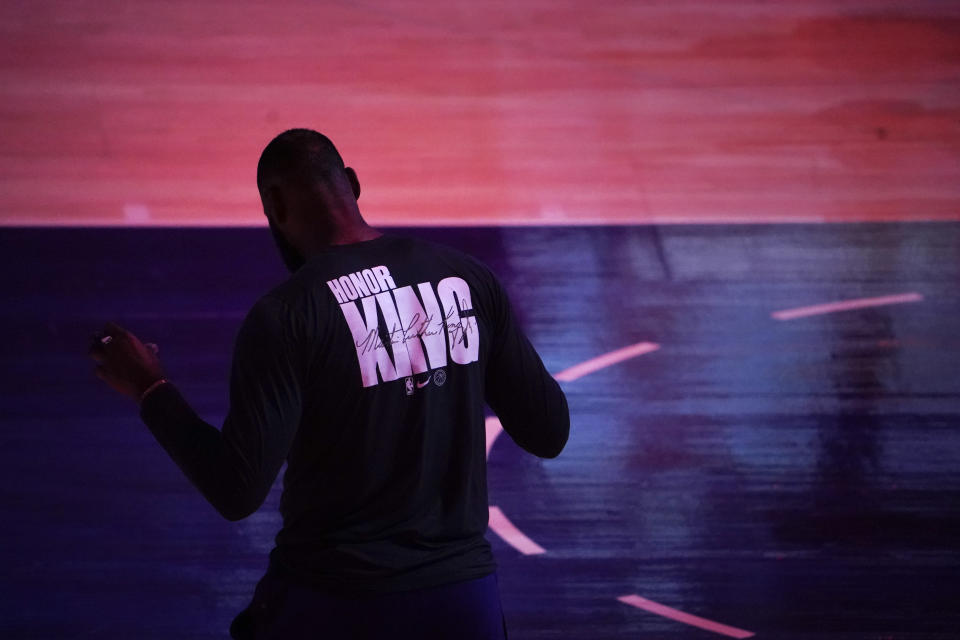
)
(399, 334)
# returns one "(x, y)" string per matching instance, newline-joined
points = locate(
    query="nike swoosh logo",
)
(421, 386)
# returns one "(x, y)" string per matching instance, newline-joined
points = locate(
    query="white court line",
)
(606, 360)
(494, 429)
(845, 305)
(687, 618)
(502, 526)
(499, 523)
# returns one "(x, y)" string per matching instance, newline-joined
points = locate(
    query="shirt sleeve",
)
(234, 467)
(529, 402)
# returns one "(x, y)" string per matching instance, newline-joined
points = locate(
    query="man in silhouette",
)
(367, 372)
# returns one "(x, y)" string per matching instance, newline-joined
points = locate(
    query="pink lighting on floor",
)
(494, 429)
(606, 360)
(502, 526)
(686, 618)
(845, 305)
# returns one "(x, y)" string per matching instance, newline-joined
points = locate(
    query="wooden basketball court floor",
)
(764, 407)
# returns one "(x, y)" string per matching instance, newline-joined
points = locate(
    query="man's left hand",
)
(123, 362)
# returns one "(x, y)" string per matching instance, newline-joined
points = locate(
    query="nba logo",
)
(409, 386)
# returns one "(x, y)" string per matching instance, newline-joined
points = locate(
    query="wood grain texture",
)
(461, 112)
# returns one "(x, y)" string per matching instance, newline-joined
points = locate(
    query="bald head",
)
(301, 158)
(309, 196)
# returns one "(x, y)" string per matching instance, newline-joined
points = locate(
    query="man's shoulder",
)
(429, 256)
(413, 254)
(284, 298)
(458, 259)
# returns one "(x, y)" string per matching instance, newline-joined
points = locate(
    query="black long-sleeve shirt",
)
(367, 371)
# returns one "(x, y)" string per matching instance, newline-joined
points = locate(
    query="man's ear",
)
(354, 183)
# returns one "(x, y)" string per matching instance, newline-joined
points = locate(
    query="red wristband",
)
(152, 387)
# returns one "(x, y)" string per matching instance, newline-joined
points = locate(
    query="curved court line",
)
(687, 618)
(494, 429)
(511, 535)
(606, 360)
(845, 305)
(499, 523)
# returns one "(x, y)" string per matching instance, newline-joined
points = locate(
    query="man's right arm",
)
(529, 402)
